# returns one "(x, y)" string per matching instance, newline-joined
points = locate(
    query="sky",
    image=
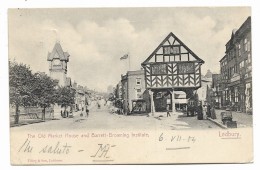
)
(96, 38)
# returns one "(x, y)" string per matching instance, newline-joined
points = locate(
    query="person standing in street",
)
(208, 110)
(67, 113)
(87, 111)
(199, 111)
(213, 113)
(168, 110)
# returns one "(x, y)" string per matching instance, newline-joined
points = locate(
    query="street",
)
(101, 119)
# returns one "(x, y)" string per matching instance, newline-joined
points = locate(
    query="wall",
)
(59, 75)
(202, 92)
(132, 86)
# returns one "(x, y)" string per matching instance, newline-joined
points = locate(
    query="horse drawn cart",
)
(226, 117)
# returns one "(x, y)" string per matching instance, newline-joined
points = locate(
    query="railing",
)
(29, 113)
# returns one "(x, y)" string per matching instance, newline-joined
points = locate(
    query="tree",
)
(65, 96)
(44, 90)
(21, 86)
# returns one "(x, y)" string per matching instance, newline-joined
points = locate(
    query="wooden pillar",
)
(173, 101)
(152, 102)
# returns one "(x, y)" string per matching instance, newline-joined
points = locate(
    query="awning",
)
(179, 94)
(138, 100)
(181, 101)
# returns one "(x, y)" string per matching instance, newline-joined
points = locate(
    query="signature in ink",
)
(102, 151)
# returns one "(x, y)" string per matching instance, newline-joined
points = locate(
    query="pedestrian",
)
(67, 113)
(208, 110)
(213, 113)
(168, 110)
(204, 111)
(61, 113)
(199, 111)
(64, 113)
(52, 114)
(87, 112)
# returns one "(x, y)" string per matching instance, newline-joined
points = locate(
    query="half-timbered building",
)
(171, 67)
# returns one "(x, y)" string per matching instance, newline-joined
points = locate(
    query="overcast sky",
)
(96, 38)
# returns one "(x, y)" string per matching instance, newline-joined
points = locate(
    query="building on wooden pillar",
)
(171, 67)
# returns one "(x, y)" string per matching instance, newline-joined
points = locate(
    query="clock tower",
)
(58, 60)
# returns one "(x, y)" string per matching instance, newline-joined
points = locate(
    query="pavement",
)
(242, 119)
(23, 122)
(180, 121)
(103, 119)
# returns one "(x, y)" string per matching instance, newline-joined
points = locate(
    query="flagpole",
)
(128, 62)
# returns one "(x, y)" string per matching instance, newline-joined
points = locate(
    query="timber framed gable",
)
(172, 65)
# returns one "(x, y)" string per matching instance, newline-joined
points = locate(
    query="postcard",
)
(143, 85)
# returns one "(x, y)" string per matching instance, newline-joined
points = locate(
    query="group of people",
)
(65, 113)
(86, 112)
(211, 113)
(200, 110)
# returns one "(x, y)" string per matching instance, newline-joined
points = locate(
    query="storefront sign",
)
(235, 77)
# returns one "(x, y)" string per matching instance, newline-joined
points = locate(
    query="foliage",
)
(44, 90)
(21, 87)
(65, 96)
(28, 89)
(111, 97)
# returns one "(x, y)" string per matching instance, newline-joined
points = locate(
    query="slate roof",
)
(63, 56)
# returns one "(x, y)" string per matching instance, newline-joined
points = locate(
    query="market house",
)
(172, 69)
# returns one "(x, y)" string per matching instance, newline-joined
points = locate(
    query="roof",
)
(58, 52)
(181, 43)
(242, 28)
(136, 72)
(222, 58)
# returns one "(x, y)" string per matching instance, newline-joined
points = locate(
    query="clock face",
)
(56, 62)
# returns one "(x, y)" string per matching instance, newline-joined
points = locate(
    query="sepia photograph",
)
(97, 85)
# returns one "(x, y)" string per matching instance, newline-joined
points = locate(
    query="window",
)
(248, 46)
(239, 50)
(232, 54)
(138, 81)
(171, 50)
(186, 68)
(242, 64)
(236, 94)
(245, 44)
(158, 69)
(138, 93)
(167, 50)
(249, 58)
(175, 50)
